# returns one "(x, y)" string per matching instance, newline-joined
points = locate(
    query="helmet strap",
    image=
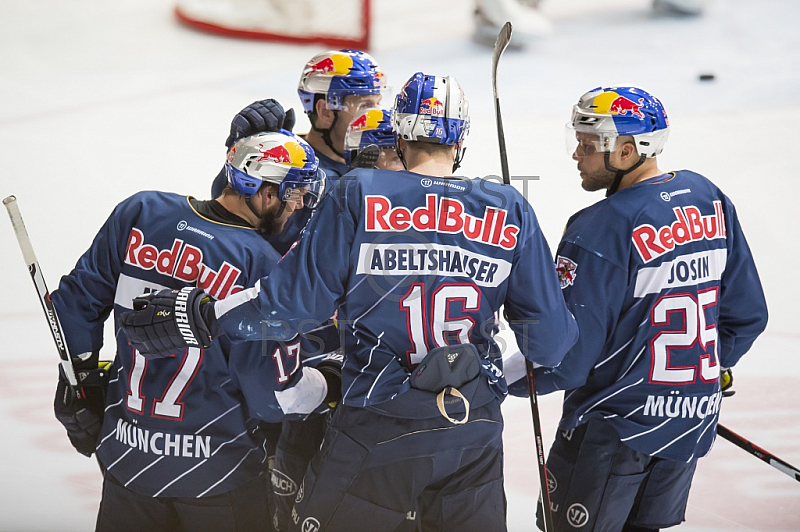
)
(459, 158)
(400, 156)
(248, 200)
(619, 174)
(326, 134)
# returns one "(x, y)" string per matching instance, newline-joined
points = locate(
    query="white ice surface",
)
(101, 99)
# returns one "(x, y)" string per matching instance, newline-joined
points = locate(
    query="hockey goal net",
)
(337, 24)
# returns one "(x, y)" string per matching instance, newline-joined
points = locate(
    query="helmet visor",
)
(584, 144)
(309, 191)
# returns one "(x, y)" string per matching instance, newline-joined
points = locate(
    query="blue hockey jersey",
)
(661, 281)
(412, 262)
(185, 425)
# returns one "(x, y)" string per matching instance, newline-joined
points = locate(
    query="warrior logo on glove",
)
(169, 320)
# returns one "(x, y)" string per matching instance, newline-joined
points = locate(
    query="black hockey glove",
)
(260, 116)
(367, 158)
(83, 418)
(331, 368)
(726, 382)
(167, 321)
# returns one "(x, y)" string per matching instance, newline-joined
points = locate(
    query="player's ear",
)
(324, 115)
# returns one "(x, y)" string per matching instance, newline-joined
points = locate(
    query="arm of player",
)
(594, 291)
(305, 284)
(742, 306)
(85, 298)
(273, 382)
(534, 306)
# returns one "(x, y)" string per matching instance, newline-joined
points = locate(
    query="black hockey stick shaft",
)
(758, 452)
(503, 38)
(41, 290)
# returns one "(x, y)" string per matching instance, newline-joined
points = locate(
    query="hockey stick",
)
(503, 38)
(41, 289)
(758, 452)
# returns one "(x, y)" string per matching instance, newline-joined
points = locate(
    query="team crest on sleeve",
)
(565, 268)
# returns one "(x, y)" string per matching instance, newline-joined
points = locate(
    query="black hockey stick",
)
(503, 38)
(41, 290)
(758, 452)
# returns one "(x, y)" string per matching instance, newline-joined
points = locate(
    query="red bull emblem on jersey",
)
(443, 215)
(289, 153)
(612, 103)
(183, 262)
(333, 65)
(431, 106)
(565, 268)
(690, 225)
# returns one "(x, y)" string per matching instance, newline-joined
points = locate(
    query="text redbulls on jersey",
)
(185, 425)
(412, 262)
(666, 293)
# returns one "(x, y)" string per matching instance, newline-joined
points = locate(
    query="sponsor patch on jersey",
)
(442, 215)
(666, 196)
(566, 269)
(690, 225)
(184, 262)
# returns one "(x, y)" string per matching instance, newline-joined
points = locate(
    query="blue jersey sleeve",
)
(743, 308)
(594, 289)
(307, 282)
(85, 298)
(535, 309)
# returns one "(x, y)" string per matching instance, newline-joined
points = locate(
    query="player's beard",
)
(269, 223)
(599, 179)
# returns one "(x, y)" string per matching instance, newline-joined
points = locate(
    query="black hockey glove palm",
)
(83, 418)
(170, 321)
(260, 116)
(331, 368)
(726, 382)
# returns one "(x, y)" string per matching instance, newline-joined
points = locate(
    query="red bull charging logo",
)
(333, 65)
(431, 106)
(289, 154)
(367, 121)
(613, 104)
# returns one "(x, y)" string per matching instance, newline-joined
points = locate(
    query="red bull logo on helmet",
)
(333, 65)
(612, 103)
(289, 153)
(367, 121)
(431, 106)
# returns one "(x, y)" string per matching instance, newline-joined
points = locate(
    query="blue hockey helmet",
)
(611, 112)
(336, 74)
(278, 157)
(373, 126)
(431, 109)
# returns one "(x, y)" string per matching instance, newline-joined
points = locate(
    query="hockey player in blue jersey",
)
(661, 281)
(178, 438)
(417, 263)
